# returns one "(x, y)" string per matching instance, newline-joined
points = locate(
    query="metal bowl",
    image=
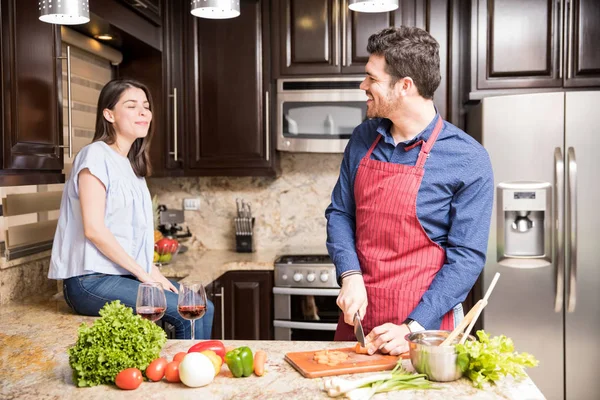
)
(427, 357)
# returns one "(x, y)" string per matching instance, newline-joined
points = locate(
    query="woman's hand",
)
(389, 338)
(157, 276)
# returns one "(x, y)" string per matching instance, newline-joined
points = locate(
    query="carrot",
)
(260, 357)
(358, 349)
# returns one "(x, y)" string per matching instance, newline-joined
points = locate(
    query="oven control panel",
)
(322, 276)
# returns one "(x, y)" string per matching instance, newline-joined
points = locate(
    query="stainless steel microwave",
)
(318, 115)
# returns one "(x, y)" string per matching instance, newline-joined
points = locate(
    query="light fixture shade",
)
(373, 6)
(64, 12)
(215, 9)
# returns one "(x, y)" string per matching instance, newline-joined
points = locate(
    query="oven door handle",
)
(305, 325)
(306, 291)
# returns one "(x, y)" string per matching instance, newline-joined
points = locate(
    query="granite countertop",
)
(206, 266)
(35, 336)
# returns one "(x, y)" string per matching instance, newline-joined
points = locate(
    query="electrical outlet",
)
(191, 204)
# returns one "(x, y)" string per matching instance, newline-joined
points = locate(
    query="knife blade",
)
(358, 330)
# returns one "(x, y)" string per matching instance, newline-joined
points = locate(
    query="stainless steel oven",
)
(318, 114)
(305, 294)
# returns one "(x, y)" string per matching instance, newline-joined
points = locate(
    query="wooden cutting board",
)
(356, 363)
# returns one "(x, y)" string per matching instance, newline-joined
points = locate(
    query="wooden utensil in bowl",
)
(471, 317)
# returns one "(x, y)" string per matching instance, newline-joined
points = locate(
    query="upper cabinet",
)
(548, 44)
(228, 94)
(583, 39)
(31, 98)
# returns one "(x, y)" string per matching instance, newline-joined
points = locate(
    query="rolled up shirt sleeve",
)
(466, 248)
(341, 221)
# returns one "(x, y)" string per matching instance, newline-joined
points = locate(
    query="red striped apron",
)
(397, 258)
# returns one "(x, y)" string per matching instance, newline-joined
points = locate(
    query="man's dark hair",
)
(409, 52)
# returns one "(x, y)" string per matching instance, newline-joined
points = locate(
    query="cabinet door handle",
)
(174, 96)
(69, 106)
(570, 40)
(561, 25)
(222, 296)
(337, 32)
(267, 126)
(345, 14)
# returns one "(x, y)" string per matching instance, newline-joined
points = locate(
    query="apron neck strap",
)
(368, 155)
(426, 147)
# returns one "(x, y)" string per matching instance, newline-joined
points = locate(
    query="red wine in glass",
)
(151, 302)
(191, 303)
(151, 313)
(192, 312)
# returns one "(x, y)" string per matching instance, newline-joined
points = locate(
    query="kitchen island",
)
(35, 336)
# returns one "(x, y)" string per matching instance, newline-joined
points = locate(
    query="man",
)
(408, 223)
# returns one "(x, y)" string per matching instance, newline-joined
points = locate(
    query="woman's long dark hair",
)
(109, 96)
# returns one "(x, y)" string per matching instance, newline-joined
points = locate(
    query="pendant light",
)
(64, 12)
(373, 6)
(215, 9)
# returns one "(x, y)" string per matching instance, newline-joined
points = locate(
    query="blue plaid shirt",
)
(454, 206)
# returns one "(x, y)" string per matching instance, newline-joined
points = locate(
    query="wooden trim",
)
(27, 203)
(29, 234)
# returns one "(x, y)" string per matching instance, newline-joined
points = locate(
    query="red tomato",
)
(172, 371)
(179, 356)
(129, 379)
(156, 370)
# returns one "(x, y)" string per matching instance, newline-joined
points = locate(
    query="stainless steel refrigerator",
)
(545, 233)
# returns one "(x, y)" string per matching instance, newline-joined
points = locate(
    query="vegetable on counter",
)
(240, 361)
(365, 388)
(260, 358)
(490, 359)
(172, 371)
(129, 379)
(118, 340)
(196, 370)
(214, 359)
(156, 370)
(214, 345)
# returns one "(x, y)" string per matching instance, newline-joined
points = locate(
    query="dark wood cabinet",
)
(548, 44)
(243, 305)
(31, 97)
(173, 131)
(583, 41)
(517, 47)
(228, 94)
(308, 33)
(150, 9)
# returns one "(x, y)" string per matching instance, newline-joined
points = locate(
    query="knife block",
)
(244, 235)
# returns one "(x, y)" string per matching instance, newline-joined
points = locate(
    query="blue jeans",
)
(87, 294)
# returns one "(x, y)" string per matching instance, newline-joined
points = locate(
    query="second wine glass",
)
(192, 302)
(151, 302)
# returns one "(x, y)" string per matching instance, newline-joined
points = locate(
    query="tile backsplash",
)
(289, 209)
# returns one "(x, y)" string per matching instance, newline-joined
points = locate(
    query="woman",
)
(104, 242)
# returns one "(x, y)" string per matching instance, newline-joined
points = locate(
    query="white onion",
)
(196, 370)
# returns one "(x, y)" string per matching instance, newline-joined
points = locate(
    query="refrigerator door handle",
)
(571, 231)
(559, 170)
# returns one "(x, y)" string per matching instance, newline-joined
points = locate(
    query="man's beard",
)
(383, 109)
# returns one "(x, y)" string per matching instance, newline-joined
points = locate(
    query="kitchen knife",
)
(358, 330)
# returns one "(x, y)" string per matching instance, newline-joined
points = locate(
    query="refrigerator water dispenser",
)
(524, 224)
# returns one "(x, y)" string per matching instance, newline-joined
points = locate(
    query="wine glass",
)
(191, 304)
(151, 302)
